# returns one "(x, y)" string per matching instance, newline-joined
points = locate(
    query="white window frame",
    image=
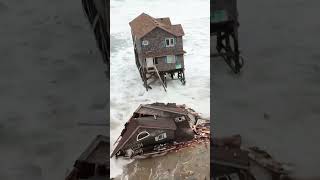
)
(145, 42)
(161, 136)
(139, 139)
(180, 119)
(170, 44)
(173, 61)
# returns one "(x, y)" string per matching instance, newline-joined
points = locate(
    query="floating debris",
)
(93, 162)
(229, 160)
(156, 129)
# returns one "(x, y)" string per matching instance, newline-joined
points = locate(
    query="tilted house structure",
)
(98, 13)
(158, 48)
(151, 127)
(224, 25)
(93, 163)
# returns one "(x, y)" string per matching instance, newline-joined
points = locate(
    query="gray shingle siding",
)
(164, 66)
(156, 39)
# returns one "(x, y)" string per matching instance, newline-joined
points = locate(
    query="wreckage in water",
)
(159, 128)
(231, 161)
(93, 163)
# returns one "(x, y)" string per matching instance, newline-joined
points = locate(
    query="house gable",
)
(160, 109)
(144, 23)
(96, 152)
(154, 32)
(157, 43)
(93, 161)
(151, 139)
(135, 124)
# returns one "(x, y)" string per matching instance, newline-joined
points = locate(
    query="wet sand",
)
(51, 78)
(189, 163)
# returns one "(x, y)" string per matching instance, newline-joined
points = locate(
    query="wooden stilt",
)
(145, 80)
(164, 87)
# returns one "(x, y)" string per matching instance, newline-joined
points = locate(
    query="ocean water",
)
(52, 78)
(281, 78)
(127, 91)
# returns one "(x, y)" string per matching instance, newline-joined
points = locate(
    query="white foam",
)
(127, 91)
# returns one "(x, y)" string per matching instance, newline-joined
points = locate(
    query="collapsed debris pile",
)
(230, 160)
(93, 163)
(156, 129)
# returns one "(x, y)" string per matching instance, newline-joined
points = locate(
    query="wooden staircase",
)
(156, 73)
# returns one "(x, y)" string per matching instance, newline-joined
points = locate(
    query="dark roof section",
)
(227, 152)
(143, 24)
(96, 152)
(158, 123)
(147, 122)
(158, 108)
(165, 21)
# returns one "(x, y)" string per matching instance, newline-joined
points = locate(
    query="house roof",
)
(227, 152)
(143, 24)
(165, 21)
(144, 122)
(158, 123)
(157, 108)
(96, 152)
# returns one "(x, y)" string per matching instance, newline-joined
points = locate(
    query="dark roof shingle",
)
(146, 122)
(143, 24)
(161, 123)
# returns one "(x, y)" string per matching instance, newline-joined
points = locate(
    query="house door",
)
(149, 62)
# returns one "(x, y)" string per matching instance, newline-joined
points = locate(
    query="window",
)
(171, 59)
(142, 135)
(161, 136)
(155, 61)
(145, 42)
(180, 119)
(170, 42)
